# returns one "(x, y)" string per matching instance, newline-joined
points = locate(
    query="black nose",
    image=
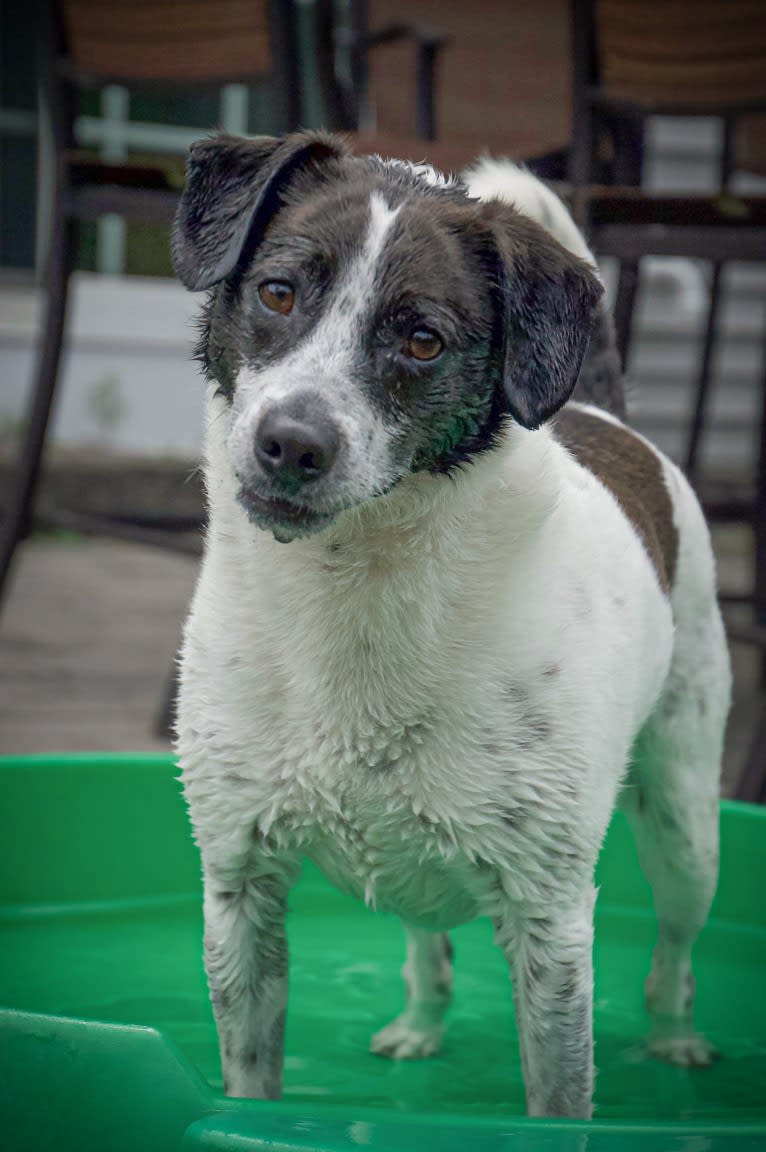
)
(294, 451)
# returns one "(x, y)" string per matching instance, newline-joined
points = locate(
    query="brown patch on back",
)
(633, 474)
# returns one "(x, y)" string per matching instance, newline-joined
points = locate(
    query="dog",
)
(446, 621)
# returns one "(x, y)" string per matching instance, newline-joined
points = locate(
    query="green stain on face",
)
(465, 424)
(457, 417)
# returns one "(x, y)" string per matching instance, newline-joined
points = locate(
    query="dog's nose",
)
(295, 451)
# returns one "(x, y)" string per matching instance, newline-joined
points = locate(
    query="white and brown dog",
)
(443, 624)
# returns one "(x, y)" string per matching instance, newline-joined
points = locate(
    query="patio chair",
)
(633, 59)
(167, 46)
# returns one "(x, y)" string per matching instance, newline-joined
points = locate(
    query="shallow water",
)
(143, 965)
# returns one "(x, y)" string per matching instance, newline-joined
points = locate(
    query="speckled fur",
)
(440, 697)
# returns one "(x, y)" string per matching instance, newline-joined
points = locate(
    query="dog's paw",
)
(401, 1040)
(687, 1051)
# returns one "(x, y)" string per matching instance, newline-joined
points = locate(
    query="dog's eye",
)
(423, 344)
(277, 296)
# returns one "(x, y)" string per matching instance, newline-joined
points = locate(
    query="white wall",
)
(128, 382)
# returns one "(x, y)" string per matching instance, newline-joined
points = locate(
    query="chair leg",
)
(627, 288)
(425, 116)
(759, 523)
(703, 379)
(23, 488)
(752, 784)
(164, 721)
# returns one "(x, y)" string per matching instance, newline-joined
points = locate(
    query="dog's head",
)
(367, 319)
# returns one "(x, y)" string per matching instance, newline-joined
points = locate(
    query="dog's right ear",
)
(232, 191)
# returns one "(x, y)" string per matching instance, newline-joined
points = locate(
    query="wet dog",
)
(446, 620)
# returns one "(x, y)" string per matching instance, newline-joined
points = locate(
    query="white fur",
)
(436, 698)
(500, 179)
(424, 172)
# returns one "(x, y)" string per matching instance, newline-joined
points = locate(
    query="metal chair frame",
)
(624, 222)
(85, 191)
(346, 100)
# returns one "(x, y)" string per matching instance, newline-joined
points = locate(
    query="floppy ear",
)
(549, 298)
(232, 191)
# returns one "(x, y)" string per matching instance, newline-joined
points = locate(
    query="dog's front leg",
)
(246, 963)
(550, 955)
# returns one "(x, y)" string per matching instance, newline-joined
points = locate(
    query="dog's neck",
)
(425, 511)
(508, 491)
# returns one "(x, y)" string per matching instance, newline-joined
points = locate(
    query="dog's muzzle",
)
(293, 448)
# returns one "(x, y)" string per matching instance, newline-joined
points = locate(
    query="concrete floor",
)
(90, 628)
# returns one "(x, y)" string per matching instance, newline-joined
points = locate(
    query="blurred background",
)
(649, 118)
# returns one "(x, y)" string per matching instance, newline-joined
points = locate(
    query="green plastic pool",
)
(107, 1041)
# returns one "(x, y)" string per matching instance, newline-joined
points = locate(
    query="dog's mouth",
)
(289, 519)
(285, 519)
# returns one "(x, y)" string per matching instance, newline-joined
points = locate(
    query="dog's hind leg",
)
(427, 972)
(671, 800)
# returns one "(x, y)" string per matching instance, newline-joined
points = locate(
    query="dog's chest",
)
(374, 808)
(384, 727)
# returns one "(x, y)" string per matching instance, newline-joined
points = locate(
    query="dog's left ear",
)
(549, 299)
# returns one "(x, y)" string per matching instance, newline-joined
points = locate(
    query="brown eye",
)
(423, 344)
(277, 296)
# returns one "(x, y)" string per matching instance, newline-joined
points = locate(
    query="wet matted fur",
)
(439, 632)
